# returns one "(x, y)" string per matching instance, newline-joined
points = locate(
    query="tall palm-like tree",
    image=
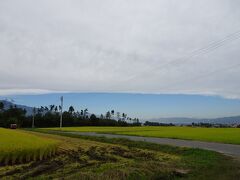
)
(124, 116)
(112, 113)
(46, 109)
(59, 108)
(56, 109)
(85, 112)
(51, 107)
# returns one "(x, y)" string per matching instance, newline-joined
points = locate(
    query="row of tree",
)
(84, 113)
(49, 116)
(149, 123)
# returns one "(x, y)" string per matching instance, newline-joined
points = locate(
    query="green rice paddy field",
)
(17, 146)
(84, 157)
(223, 135)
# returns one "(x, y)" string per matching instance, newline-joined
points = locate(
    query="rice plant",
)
(18, 147)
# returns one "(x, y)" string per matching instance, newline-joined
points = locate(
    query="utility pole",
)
(61, 112)
(34, 111)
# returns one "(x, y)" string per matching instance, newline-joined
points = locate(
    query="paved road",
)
(228, 149)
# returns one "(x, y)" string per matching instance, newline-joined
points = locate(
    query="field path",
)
(228, 149)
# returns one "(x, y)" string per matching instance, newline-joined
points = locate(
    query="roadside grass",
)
(222, 135)
(17, 146)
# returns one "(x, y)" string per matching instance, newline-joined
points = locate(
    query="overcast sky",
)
(142, 46)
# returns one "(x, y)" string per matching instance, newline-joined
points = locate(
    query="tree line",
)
(49, 116)
(149, 123)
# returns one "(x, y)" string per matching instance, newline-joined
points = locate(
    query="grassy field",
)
(17, 146)
(223, 135)
(81, 157)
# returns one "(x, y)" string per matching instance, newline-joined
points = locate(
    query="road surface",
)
(228, 149)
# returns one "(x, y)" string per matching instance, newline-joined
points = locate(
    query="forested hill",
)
(7, 104)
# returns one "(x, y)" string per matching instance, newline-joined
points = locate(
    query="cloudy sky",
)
(154, 46)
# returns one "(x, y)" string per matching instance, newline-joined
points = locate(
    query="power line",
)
(212, 46)
(219, 42)
(207, 74)
(205, 50)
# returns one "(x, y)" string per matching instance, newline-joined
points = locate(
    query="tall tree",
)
(42, 110)
(112, 112)
(81, 113)
(85, 112)
(94, 120)
(52, 107)
(108, 115)
(33, 117)
(124, 116)
(1, 106)
(71, 109)
(46, 109)
(130, 119)
(56, 109)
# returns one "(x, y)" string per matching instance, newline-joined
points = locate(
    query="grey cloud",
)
(118, 46)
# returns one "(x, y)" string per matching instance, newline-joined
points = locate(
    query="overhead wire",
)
(202, 51)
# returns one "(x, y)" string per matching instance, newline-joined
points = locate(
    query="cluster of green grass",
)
(223, 135)
(17, 147)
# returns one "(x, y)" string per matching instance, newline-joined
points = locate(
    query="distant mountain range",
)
(184, 120)
(174, 120)
(7, 104)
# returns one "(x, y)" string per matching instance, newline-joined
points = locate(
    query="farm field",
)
(100, 158)
(17, 146)
(222, 135)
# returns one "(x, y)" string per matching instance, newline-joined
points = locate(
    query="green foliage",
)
(13, 115)
(1, 105)
(71, 109)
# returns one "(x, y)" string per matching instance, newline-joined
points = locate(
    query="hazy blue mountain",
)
(185, 120)
(7, 105)
(175, 120)
(226, 120)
